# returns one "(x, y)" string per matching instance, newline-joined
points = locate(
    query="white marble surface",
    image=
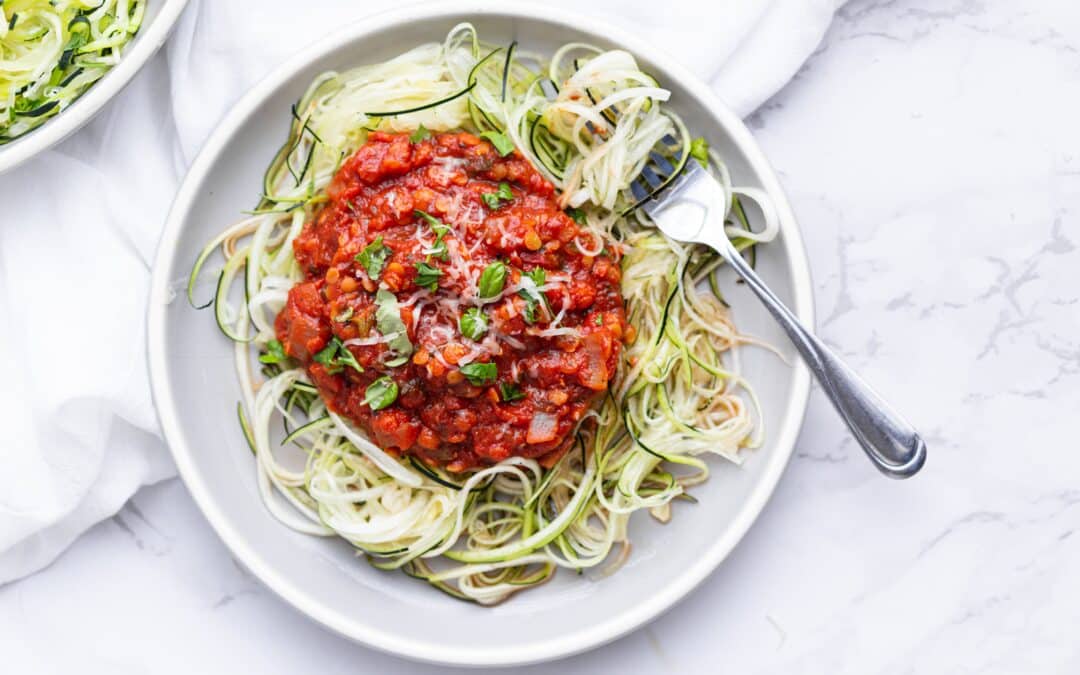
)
(932, 152)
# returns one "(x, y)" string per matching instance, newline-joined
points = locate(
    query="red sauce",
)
(544, 383)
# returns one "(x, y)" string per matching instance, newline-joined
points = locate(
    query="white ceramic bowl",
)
(196, 392)
(160, 17)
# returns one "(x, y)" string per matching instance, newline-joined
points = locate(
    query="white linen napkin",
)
(78, 435)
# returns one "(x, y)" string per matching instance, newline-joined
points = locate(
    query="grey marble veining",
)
(931, 149)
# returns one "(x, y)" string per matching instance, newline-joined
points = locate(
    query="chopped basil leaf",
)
(599, 320)
(480, 373)
(427, 276)
(397, 361)
(530, 312)
(381, 393)
(492, 280)
(699, 150)
(335, 356)
(500, 140)
(421, 134)
(432, 220)
(509, 392)
(326, 357)
(388, 320)
(344, 316)
(345, 356)
(537, 275)
(275, 353)
(473, 323)
(494, 199)
(438, 250)
(373, 257)
(578, 215)
(531, 292)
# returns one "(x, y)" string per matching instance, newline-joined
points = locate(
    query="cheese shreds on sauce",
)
(558, 342)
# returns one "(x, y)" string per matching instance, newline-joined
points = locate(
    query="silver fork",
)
(690, 209)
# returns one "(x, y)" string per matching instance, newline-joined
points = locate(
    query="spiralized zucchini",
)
(51, 51)
(590, 121)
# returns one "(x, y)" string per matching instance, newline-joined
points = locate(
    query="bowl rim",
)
(93, 100)
(368, 634)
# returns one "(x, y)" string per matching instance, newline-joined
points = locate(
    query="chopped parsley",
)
(373, 257)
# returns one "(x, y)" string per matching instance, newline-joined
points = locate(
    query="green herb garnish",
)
(381, 393)
(500, 140)
(495, 199)
(427, 276)
(438, 250)
(335, 356)
(531, 292)
(510, 392)
(432, 220)
(328, 357)
(421, 134)
(473, 323)
(492, 280)
(578, 215)
(388, 321)
(373, 257)
(275, 353)
(480, 374)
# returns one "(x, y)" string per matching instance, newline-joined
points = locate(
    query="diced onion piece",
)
(541, 428)
(593, 373)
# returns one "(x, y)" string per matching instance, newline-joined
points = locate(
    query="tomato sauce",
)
(404, 248)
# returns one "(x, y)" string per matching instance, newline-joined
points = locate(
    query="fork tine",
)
(662, 162)
(639, 191)
(664, 172)
(651, 177)
(656, 198)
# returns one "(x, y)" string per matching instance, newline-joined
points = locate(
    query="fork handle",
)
(892, 444)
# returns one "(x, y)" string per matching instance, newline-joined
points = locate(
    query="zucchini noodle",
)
(591, 121)
(51, 51)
